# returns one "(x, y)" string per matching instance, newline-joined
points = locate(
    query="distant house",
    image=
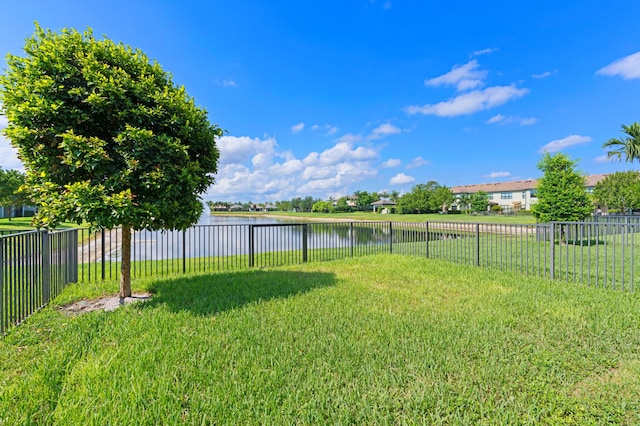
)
(383, 205)
(236, 207)
(23, 211)
(516, 195)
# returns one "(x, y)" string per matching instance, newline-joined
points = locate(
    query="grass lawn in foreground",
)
(383, 339)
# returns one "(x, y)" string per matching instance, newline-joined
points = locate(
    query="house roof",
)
(383, 203)
(518, 185)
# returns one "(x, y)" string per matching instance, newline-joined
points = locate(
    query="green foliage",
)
(496, 208)
(364, 200)
(105, 135)
(562, 194)
(322, 207)
(618, 191)
(479, 202)
(424, 197)
(441, 198)
(629, 146)
(11, 193)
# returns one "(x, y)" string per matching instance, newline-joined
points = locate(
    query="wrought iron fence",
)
(231, 247)
(34, 267)
(600, 254)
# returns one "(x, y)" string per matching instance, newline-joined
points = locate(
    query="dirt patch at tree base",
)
(107, 304)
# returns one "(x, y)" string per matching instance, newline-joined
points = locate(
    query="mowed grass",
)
(370, 216)
(382, 339)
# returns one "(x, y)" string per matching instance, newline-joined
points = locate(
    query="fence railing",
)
(34, 268)
(600, 254)
(231, 247)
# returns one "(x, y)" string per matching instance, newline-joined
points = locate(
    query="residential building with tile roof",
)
(515, 195)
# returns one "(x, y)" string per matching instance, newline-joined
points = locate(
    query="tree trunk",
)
(125, 264)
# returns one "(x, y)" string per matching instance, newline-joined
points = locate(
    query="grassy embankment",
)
(518, 219)
(376, 340)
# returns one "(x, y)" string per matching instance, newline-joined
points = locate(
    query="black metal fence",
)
(600, 254)
(34, 268)
(231, 247)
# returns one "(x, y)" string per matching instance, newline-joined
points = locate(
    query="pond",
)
(237, 235)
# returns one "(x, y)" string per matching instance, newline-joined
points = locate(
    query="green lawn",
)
(24, 223)
(518, 219)
(376, 340)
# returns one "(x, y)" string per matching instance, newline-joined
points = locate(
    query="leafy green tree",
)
(629, 146)
(441, 199)
(562, 194)
(307, 204)
(619, 191)
(418, 200)
(322, 206)
(11, 195)
(479, 201)
(106, 137)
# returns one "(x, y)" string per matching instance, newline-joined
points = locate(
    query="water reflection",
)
(235, 235)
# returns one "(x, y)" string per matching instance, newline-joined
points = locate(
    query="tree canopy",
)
(561, 191)
(105, 135)
(619, 191)
(11, 195)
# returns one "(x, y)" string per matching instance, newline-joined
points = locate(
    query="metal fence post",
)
(390, 237)
(46, 266)
(74, 256)
(103, 255)
(304, 241)
(477, 244)
(426, 239)
(552, 251)
(251, 242)
(184, 251)
(351, 239)
(2, 325)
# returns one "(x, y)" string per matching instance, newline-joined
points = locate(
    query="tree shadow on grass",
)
(211, 294)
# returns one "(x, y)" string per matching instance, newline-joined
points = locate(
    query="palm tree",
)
(628, 146)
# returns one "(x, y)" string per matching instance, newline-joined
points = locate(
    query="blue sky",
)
(324, 98)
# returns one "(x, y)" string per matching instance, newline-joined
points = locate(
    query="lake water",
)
(232, 235)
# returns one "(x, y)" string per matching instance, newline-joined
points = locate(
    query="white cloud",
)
(496, 119)
(501, 119)
(329, 129)
(627, 67)
(228, 83)
(418, 162)
(560, 144)
(528, 121)
(464, 77)
(401, 179)
(544, 74)
(297, 128)
(3, 121)
(483, 51)
(242, 149)
(471, 102)
(603, 159)
(349, 138)
(494, 175)
(384, 130)
(391, 162)
(253, 169)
